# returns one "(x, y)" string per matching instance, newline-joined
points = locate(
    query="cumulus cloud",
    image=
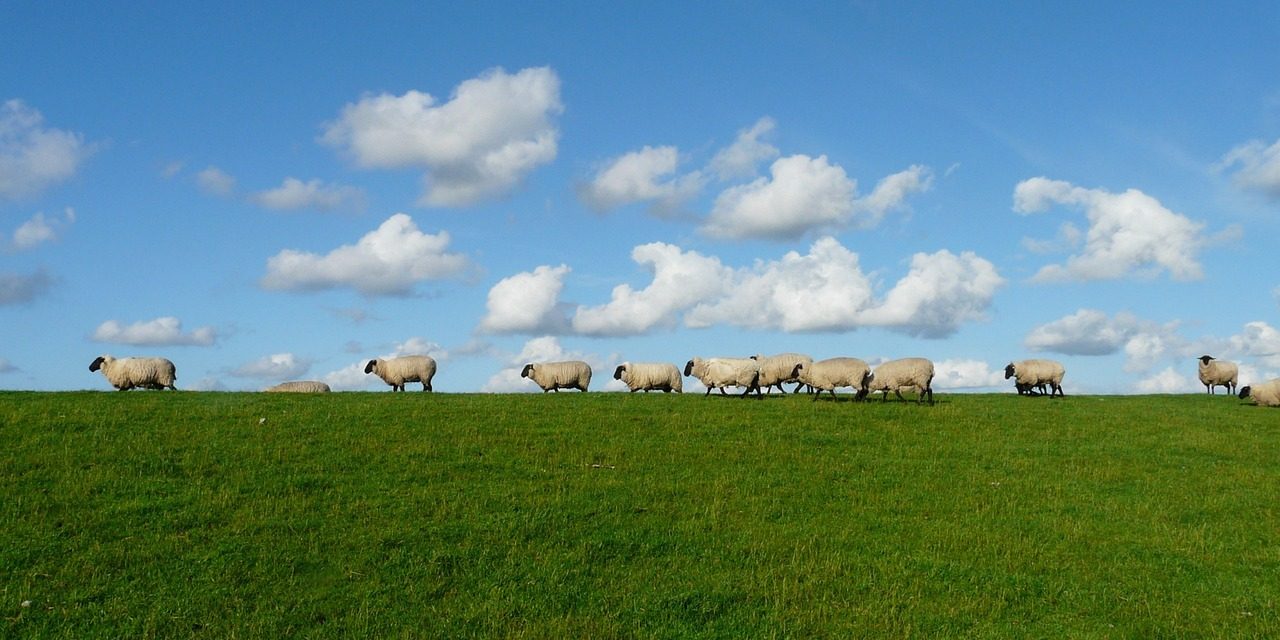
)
(528, 302)
(493, 131)
(941, 291)
(740, 159)
(966, 374)
(33, 158)
(1129, 233)
(545, 349)
(166, 331)
(1168, 380)
(648, 175)
(1090, 332)
(680, 280)
(1257, 340)
(389, 260)
(17, 288)
(277, 366)
(216, 182)
(41, 229)
(295, 194)
(891, 194)
(1257, 167)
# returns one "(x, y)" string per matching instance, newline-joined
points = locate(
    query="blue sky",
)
(260, 193)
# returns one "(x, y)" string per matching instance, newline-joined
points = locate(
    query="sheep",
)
(775, 370)
(300, 386)
(827, 375)
(898, 374)
(127, 373)
(1215, 372)
(397, 371)
(553, 376)
(647, 376)
(718, 373)
(1029, 374)
(1265, 394)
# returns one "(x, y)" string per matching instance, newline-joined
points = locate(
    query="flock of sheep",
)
(759, 373)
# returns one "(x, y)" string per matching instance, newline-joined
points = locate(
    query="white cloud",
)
(1090, 332)
(638, 176)
(16, 288)
(941, 291)
(740, 159)
(39, 230)
(1258, 340)
(215, 181)
(277, 366)
(33, 158)
(966, 374)
(528, 302)
(159, 332)
(681, 279)
(802, 194)
(1259, 167)
(1169, 381)
(492, 132)
(387, 261)
(1129, 233)
(545, 349)
(313, 194)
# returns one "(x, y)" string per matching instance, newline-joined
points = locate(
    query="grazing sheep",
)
(827, 375)
(1214, 373)
(650, 376)
(718, 373)
(397, 371)
(299, 386)
(128, 373)
(1265, 394)
(896, 375)
(1029, 374)
(553, 376)
(775, 370)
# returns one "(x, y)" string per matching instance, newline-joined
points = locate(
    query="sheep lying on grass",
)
(299, 386)
(397, 371)
(129, 373)
(1264, 394)
(554, 376)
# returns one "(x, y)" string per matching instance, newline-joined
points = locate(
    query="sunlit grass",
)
(152, 514)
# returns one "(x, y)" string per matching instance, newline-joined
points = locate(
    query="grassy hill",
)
(222, 515)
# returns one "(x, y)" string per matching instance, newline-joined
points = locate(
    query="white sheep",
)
(1265, 394)
(299, 386)
(718, 373)
(553, 376)
(647, 376)
(895, 375)
(1214, 373)
(777, 369)
(1030, 374)
(128, 373)
(397, 371)
(833, 373)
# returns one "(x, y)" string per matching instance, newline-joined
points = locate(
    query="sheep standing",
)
(1265, 394)
(775, 370)
(1214, 373)
(299, 386)
(1030, 374)
(397, 371)
(718, 373)
(829, 374)
(895, 375)
(553, 376)
(650, 376)
(127, 373)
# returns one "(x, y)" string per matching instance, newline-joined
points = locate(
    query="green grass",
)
(160, 514)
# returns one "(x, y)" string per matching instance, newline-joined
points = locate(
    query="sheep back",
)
(647, 376)
(130, 373)
(299, 386)
(553, 376)
(397, 371)
(896, 375)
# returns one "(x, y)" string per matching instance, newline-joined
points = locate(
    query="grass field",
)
(232, 515)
